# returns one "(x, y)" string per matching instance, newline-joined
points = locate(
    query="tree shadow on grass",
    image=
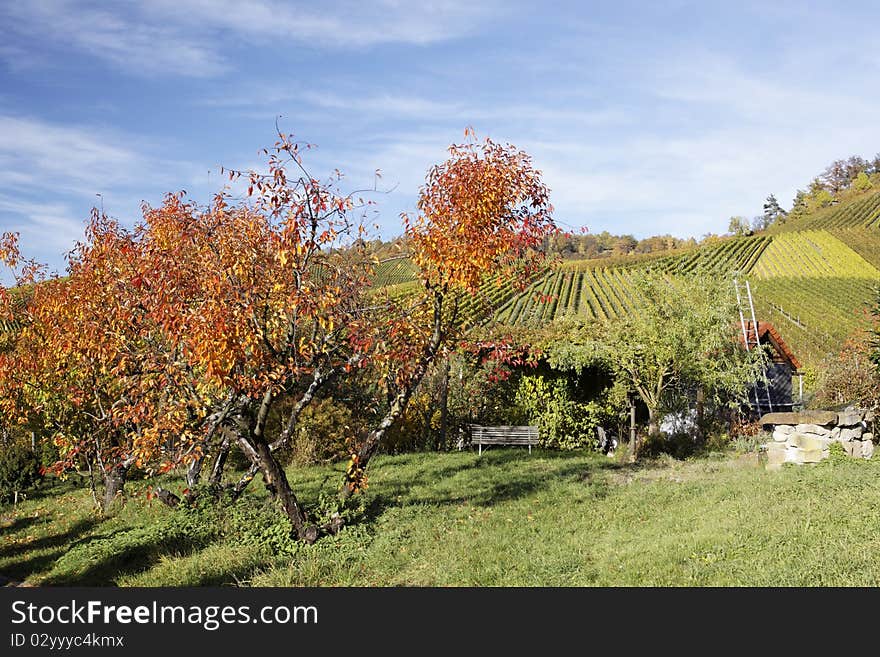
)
(21, 570)
(487, 491)
(127, 559)
(19, 523)
(66, 538)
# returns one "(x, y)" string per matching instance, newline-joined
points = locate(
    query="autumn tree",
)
(174, 341)
(483, 212)
(84, 364)
(171, 342)
(263, 300)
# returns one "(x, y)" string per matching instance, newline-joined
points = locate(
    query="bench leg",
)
(480, 447)
(530, 449)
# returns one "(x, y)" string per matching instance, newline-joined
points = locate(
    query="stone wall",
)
(806, 437)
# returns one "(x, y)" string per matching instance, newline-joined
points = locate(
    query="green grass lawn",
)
(503, 519)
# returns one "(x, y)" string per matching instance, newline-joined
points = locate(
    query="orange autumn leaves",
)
(483, 211)
(194, 309)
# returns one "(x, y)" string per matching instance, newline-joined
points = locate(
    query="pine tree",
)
(773, 212)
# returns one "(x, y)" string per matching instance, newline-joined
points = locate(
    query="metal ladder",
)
(751, 338)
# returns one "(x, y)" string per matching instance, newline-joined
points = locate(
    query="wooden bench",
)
(503, 435)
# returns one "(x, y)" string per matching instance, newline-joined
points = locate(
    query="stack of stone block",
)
(806, 436)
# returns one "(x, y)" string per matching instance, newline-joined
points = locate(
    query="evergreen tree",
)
(773, 212)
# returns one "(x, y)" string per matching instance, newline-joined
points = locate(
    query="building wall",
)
(779, 376)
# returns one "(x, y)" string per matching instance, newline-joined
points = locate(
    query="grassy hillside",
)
(503, 519)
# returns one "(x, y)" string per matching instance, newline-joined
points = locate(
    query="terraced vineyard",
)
(588, 290)
(815, 285)
(864, 241)
(597, 293)
(812, 253)
(815, 288)
(814, 315)
(732, 254)
(394, 272)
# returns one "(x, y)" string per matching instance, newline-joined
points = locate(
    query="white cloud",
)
(341, 24)
(47, 229)
(51, 175)
(193, 37)
(76, 159)
(123, 40)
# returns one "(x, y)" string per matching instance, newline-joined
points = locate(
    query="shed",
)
(780, 371)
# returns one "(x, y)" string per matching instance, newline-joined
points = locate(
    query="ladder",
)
(752, 340)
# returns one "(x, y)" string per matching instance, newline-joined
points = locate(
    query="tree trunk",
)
(319, 379)
(92, 487)
(701, 403)
(633, 435)
(260, 454)
(114, 482)
(398, 405)
(279, 486)
(194, 472)
(653, 423)
(444, 407)
(220, 461)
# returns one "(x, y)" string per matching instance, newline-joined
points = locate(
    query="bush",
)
(326, 431)
(562, 421)
(19, 469)
(850, 376)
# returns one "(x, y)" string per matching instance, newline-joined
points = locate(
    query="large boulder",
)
(814, 429)
(846, 435)
(808, 442)
(812, 455)
(782, 433)
(853, 448)
(776, 455)
(851, 417)
(822, 418)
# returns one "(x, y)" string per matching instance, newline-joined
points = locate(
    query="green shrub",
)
(19, 469)
(326, 431)
(562, 421)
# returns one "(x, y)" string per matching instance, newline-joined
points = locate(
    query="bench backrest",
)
(525, 435)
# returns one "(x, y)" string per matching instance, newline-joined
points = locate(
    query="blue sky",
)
(645, 117)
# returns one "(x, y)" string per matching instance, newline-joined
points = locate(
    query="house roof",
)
(768, 333)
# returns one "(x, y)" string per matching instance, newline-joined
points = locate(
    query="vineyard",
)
(394, 271)
(586, 289)
(597, 293)
(815, 279)
(815, 315)
(812, 253)
(732, 254)
(864, 241)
